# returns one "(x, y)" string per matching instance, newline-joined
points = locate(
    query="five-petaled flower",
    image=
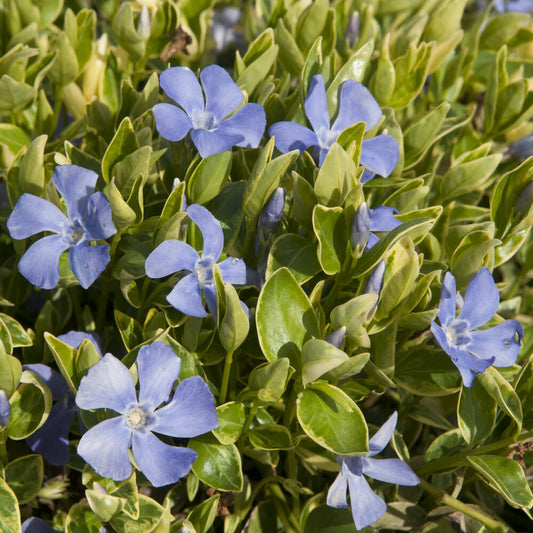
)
(89, 219)
(472, 352)
(189, 413)
(367, 506)
(173, 255)
(378, 154)
(211, 132)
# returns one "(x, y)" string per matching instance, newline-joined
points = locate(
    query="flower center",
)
(202, 119)
(203, 270)
(457, 333)
(74, 232)
(136, 418)
(326, 137)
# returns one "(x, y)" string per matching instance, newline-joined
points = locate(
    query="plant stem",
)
(225, 376)
(443, 497)
(77, 307)
(460, 459)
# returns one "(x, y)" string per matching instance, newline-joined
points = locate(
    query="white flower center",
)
(74, 232)
(326, 137)
(136, 417)
(457, 333)
(203, 270)
(202, 119)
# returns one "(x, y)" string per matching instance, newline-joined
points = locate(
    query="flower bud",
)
(524, 201)
(143, 23)
(375, 281)
(269, 218)
(360, 228)
(336, 337)
(5, 409)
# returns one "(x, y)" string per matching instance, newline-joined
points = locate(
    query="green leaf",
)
(127, 171)
(506, 477)
(319, 357)
(295, 253)
(104, 505)
(502, 391)
(17, 333)
(311, 23)
(290, 55)
(151, 517)
(354, 314)
(497, 81)
(332, 419)
(25, 477)
(14, 95)
(382, 82)
(9, 509)
(31, 172)
(444, 445)
(203, 515)
(30, 406)
(130, 330)
(81, 519)
(123, 215)
(123, 29)
(207, 179)
(235, 325)
(324, 519)
(402, 516)
(65, 68)
(258, 70)
(10, 372)
(336, 177)
(427, 372)
(14, 137)
(123, 143)
(330, 230)
(285, 317)
(231, 417)
(218, 465)
(270, 437)
(476, 413)
(64, 356)
(270, 380)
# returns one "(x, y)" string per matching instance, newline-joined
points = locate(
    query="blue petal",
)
(382, 219)
(367, 507)
(249, 121)
(380, 154)
(51, 439)
(99, 224)
(75, 338)
(33, 215)
(338, 490)
(382, 437)
(160, 463)
(502, 342)
(447, 304)
(88, 262)
(40, 264)
(233, 271)
(158, 367)
(391, 471)
(316, 105)
(108, 384)
(367, 176)
(191, 412)
(54, 380)
(171, 122)
(169, 257)
(36, 525)
(75, 184)
(292, 136)
(186, 296)
(5, 408)
(211, 300)
(212, 234)
(372, 240)
(222, 94)
(356, 105)
(322, 153)
(336, 337)
(482, 299)
(181, 85)
(210, 143)
(105, 448)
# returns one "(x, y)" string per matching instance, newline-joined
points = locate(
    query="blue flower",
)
(367, 506)
(89, 219)
(379, 154)
(269, 218)
(36, 525)
(472, 352)
(51, 439)
(189, 413)
(5, 409)
(518, 6)
(173, 255)
(381, 219)
(211, 132)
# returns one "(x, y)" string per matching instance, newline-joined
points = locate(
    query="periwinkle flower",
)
(51, 439)
(375, 281)
(89, 219)
(471, 351)
(336, 337)
(367, 506)
(360, 230)
(36, 525)
(189, 413)
(269, 218)
(206, 119)
(381, 219)
(379, 154)
(517, 6)
(522, 148)
(173, 256)
(5, 409)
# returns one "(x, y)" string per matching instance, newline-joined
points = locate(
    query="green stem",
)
(460, 459)
(77, 307)
(225, 377)
(3, 448)
(293, 523)
(443, 497)
(102, 306)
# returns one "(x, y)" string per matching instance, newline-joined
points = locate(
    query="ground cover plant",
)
(266, 266)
